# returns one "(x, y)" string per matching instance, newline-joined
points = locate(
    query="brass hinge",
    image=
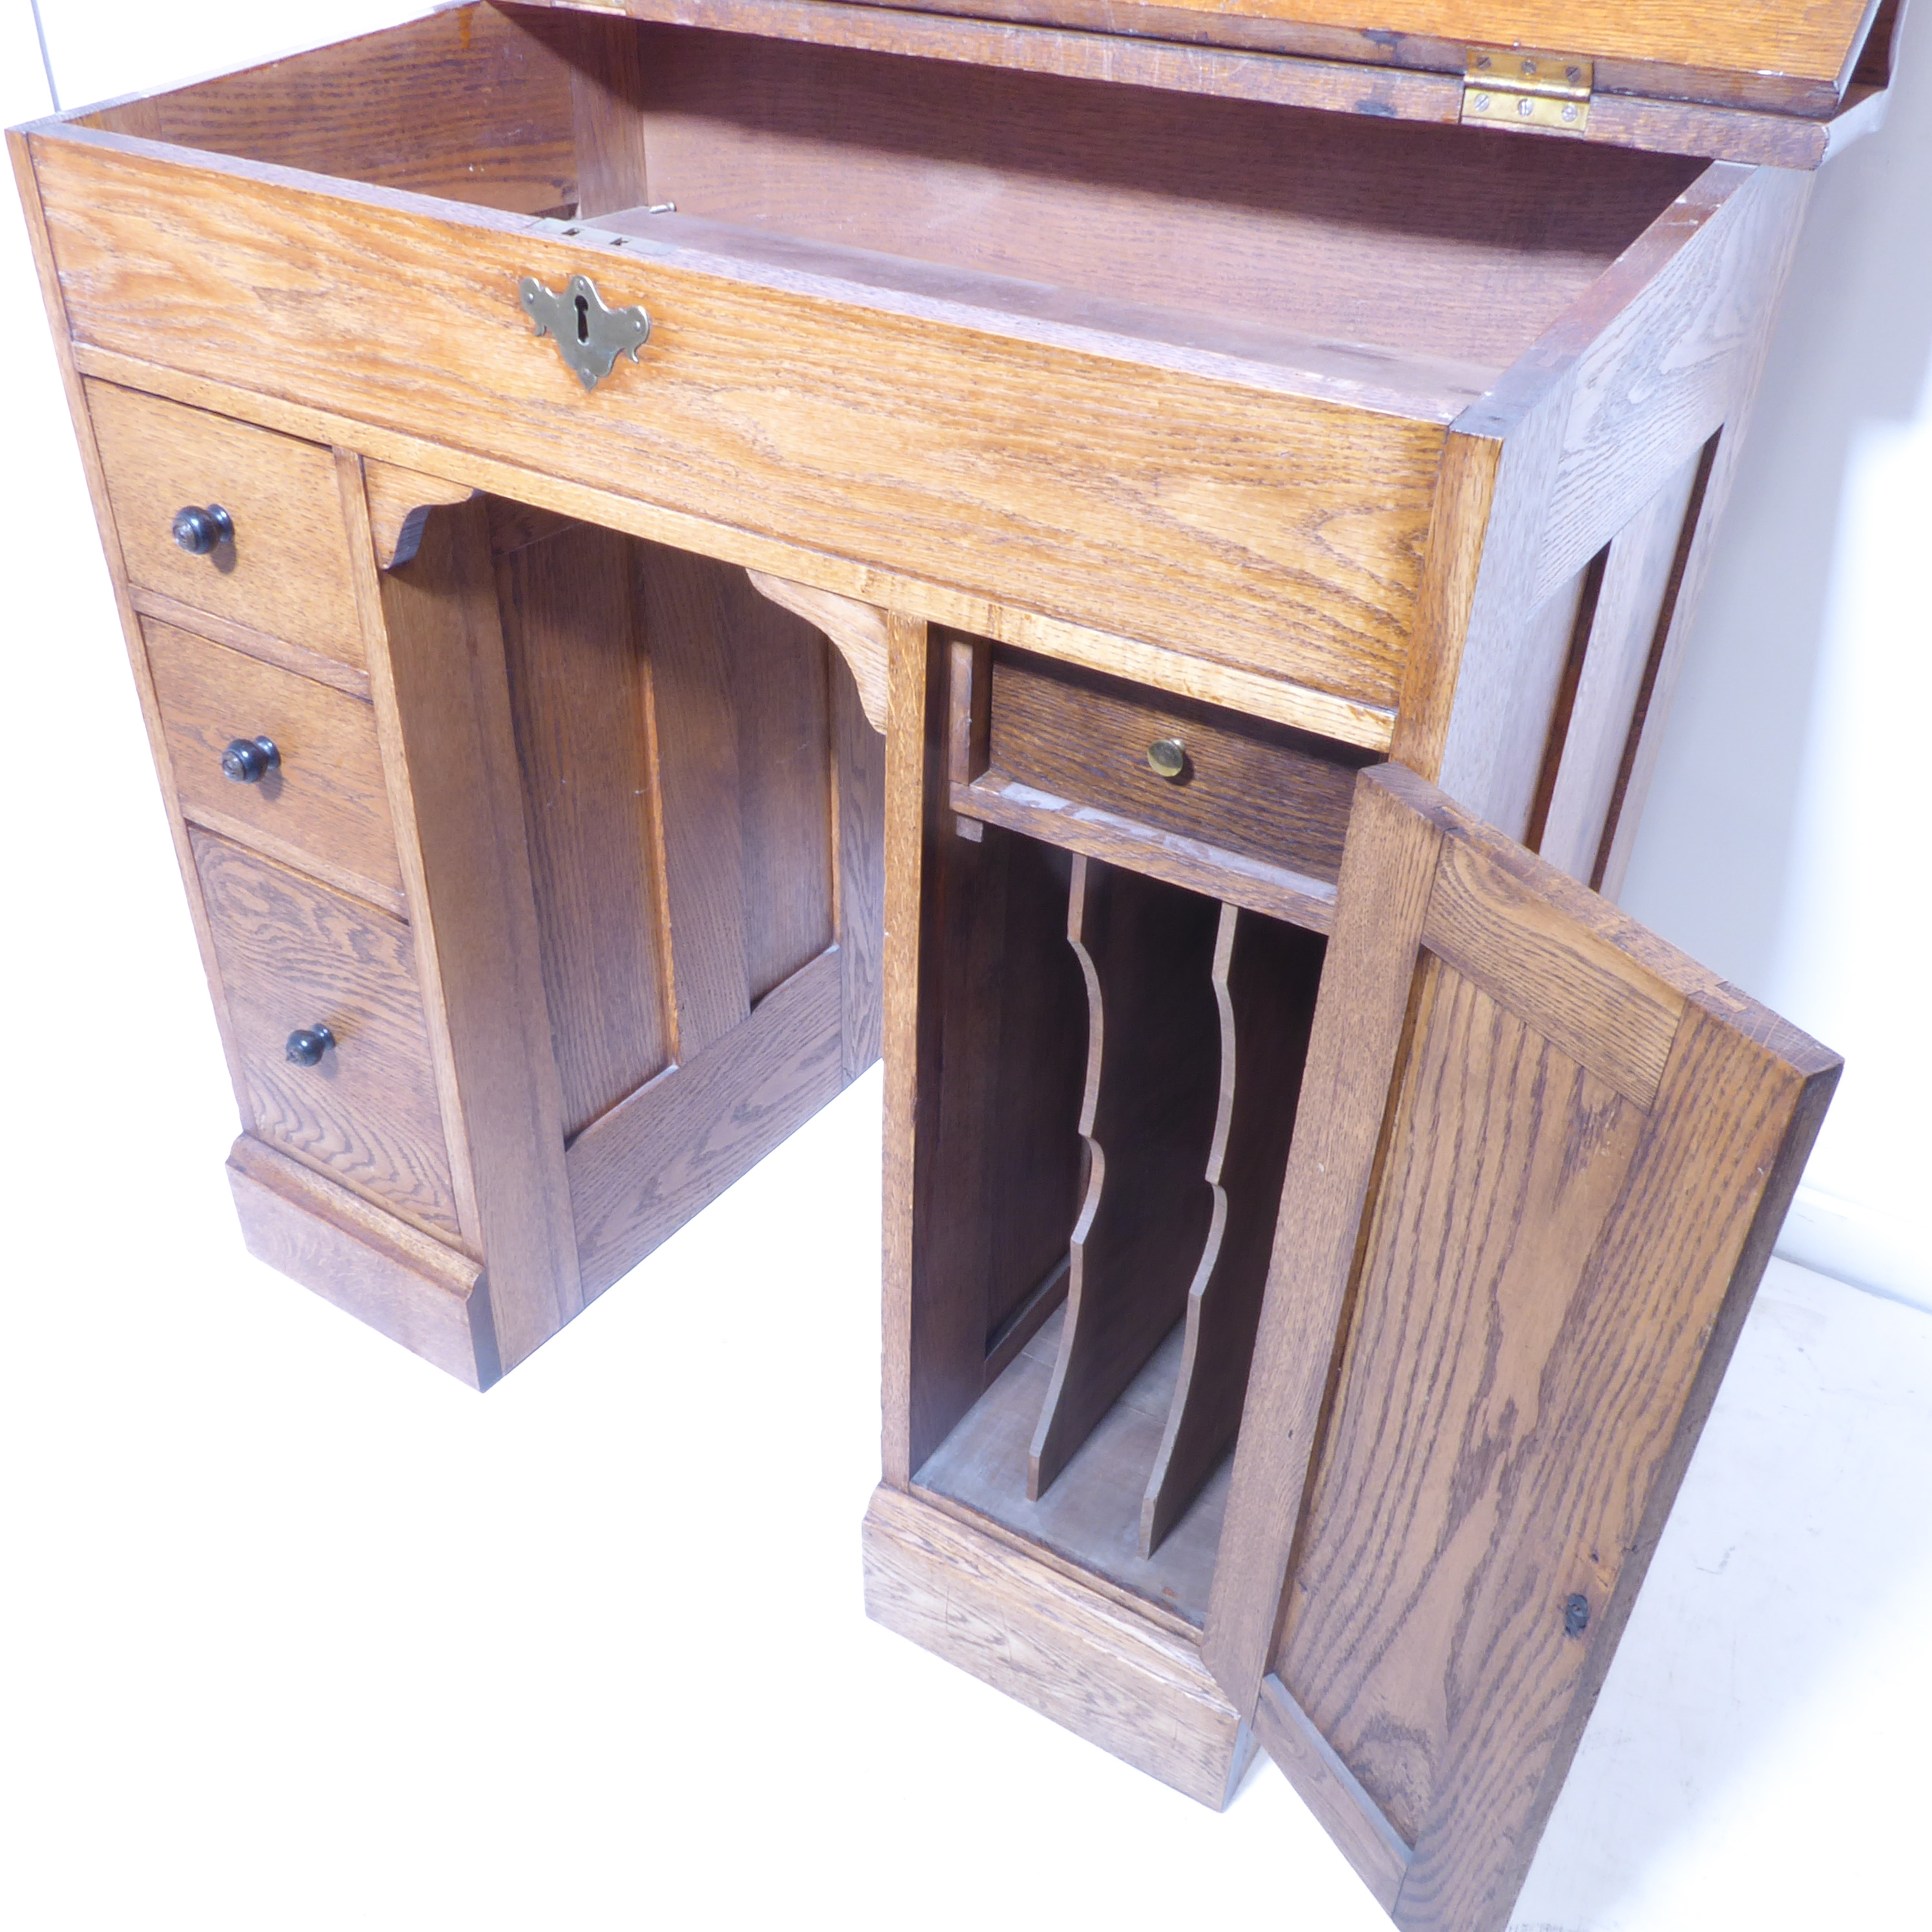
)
(1517, 87)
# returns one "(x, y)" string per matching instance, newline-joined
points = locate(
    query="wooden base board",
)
(414, 1290)
(1118, 1679)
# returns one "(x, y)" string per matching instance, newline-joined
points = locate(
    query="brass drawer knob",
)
(1167, 757)
(199, 529)
(249, 760)
(307, 1044)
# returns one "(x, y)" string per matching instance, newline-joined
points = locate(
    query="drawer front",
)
(296, 954)
(1203, 502)
(321, 805)
(1245, 785)
(286, 570)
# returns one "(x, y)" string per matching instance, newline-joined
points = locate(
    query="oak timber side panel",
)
(1186, 500)
(641, 1172)
(323, 808)
(1147, 1115)
(576, 696)
(1265, 976)
(294, 953)
(465, 104)
(1634, 603)
(1129, 1684)
(1566, 450)
(859, 771)
(1588, 1146)
(1342, 228)
(741, 733)
(442, 690)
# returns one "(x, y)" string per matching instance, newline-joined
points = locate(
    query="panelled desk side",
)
(573, 1027)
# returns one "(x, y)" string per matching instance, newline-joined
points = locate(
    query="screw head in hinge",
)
(1576, 1616)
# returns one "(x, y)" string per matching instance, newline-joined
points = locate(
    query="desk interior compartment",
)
(1117, 1063)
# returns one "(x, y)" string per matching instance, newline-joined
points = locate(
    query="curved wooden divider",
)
(1265, 976)
(1147, 1114)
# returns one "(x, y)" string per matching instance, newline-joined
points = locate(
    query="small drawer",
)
(285, 568)
(311, 792)
(1185, 771)
(297, 956)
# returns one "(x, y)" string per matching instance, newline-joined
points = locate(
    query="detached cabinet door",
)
(1539, 1165)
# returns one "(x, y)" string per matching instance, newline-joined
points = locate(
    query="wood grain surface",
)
(1332, 1793)
(1814, 45)
(1189, 501)
(1514, 1405)
(1107, 1673)
(442, 693)
(297, 953)
(918, 599)
(1089, 1520)
(1265, 976)
(400, 501)
(1147, 1115)
(430, 1297)
(577, 697)
(642, 1171)
(1568, 448)
(858, 629)
(286, 572)
(324, 809)
(1392, 76)
(1341, 229)
(464, 103)
(1261, 790)
(739, 695)
(1388, 870)
(1634, 602)
(352, 680)
(995, 798)
(858, 776)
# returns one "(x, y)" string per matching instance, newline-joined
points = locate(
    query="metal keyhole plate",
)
(589, 336)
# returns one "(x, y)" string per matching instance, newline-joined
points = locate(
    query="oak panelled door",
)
(1539, 1163)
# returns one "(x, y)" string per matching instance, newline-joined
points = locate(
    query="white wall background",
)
(1785, 842)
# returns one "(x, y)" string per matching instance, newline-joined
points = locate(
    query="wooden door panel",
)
(1571, 1160)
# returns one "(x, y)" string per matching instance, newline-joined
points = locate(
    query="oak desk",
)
(668, 548)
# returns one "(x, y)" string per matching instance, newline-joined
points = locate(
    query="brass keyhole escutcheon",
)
(589, 336)
(1167, 758)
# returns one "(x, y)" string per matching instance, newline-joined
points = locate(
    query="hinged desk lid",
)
(1792, 56)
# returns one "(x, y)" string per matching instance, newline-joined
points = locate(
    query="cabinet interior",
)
(1119, 1069)
(1413, 258)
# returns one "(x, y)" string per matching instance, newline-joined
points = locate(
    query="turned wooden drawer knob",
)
(249, 760)
(307, 1044)
(199, 529)
(1167, 757)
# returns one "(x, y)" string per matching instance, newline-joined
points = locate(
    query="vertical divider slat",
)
(1147, 1115)
(1265, 976)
